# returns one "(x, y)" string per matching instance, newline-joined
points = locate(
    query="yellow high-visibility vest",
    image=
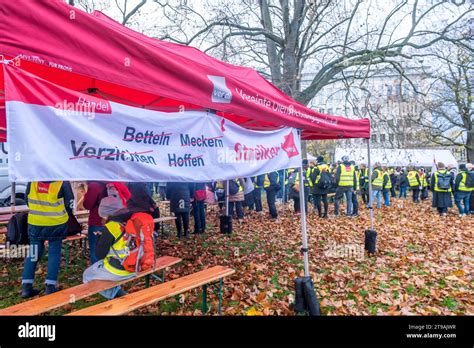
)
(378, 181)
(266, 181)
(347, 176)
(237, 181)
(357, 180)
(45, 208)
(308, 181)
(412, 182)
(118, 250)
(462, 183)
(389, 182)
(322, 168)
(424, 181)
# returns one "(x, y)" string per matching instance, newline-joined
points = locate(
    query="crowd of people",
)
(349, 181)
(116, 209)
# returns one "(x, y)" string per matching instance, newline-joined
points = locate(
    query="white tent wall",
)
(398, 157)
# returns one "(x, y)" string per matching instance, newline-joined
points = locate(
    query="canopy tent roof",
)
(93, 53)
(398, 157)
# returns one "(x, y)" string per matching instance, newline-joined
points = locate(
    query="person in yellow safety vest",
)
(364, 182)
(50, 205)
(414, 183)
(287, 185)
(295, 187)
(441, 185)
(469, 183)
(112, 247)
(257, 192)
(109, 265)
(377, 184)
(322, 180)
(307, 182)
(271, 184)
(346, 182)
(424, 184)
(386, 186)
(236, 199)
(462, 192)
(355, 201)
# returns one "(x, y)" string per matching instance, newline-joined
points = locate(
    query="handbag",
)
(73, 226)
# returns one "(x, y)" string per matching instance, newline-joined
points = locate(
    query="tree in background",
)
(450, 101)
(301, 46)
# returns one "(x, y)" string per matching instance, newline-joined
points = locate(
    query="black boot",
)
(28, 291)
(50, 288)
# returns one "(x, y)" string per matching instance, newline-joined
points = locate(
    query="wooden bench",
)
(49, 302)
(76, 237)
(161, 220)
(142, 298)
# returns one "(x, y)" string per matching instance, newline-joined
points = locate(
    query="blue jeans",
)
(98, 272)
(92, 239)
(199, 216)
(386, 198)
(377, 194)
(403, 192)
(339, 194)
(355, 203)
(464, 197)
(31, 261)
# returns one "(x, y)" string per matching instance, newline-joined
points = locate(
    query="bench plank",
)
(49, 302)
(165, 218)
(136, 300)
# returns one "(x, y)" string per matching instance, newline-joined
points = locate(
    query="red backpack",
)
(139, 237)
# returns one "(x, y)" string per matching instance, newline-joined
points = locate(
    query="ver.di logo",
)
(220, 93)
(289, 145)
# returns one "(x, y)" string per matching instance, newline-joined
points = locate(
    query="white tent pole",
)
(371, 209)
(283, 189)
(303, 218)
(227, 198)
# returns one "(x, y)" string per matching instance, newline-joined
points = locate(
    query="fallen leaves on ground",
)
(423, 265)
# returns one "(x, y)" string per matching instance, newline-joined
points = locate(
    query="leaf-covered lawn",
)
(424, 265)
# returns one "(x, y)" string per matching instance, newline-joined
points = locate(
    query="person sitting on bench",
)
(124, 247)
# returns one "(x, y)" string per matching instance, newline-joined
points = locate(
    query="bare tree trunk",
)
(304, 149)
(470, 146)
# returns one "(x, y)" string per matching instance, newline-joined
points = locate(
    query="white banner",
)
(114, 142)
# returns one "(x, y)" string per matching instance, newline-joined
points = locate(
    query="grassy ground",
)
(424, 265)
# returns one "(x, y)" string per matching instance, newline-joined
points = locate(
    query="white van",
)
(5, 185)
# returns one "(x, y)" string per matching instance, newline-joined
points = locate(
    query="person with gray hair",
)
(470, 170)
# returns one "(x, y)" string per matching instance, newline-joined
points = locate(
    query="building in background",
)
(391, 100)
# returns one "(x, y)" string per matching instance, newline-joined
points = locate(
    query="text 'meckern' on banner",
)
(60, 134)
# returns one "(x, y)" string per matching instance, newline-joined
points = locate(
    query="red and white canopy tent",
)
(94, 54)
